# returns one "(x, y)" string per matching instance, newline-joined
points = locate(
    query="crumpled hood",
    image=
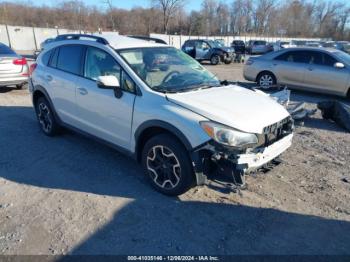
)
(234, 106)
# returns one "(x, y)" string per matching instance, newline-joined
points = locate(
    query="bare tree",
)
(261, 15)
(169, 9)
(297, 18)
(111, 16)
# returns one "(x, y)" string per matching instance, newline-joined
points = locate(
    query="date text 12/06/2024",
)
(173, 258)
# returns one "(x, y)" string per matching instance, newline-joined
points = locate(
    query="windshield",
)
(220, 43)
(167, 69)
(238, 42)
(343, 56)
(260, 43)
(346, 48)
(214, 44)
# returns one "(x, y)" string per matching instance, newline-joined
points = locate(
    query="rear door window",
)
(295, 57)
(70, 59)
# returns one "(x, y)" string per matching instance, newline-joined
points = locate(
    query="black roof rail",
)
(79, 36)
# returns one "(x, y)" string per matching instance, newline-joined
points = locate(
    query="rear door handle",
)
(48, 78)
(82, 91)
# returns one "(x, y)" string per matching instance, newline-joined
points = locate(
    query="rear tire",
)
(215, 59)
(47, 121)
(266, 80)
(167, 165)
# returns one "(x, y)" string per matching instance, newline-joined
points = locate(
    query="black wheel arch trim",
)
(265, 71)
(39, 88)
(164, 125)
(193, 151)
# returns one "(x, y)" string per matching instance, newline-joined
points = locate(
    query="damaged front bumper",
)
(235, 163)
(254, 160)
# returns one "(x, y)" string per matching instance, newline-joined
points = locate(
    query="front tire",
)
(266, 80)
(215, 59)
(47, 121)
(167, 165)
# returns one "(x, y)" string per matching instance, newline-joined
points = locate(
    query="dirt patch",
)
(69, 194)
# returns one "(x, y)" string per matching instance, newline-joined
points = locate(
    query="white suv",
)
(159, 105)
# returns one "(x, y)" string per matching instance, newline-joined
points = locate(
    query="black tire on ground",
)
(215, 59)
(167, 165)
(46, 118)
(266, 80)
(22, 86)
(227, 62)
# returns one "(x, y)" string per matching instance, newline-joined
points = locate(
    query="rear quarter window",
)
(46, 57)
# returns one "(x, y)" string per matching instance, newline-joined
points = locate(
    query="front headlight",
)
(228, 136)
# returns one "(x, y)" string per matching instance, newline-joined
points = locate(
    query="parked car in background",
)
(238, 46)
(341, 45)
(174, 118)
(208, 50)
(297, 43)
(220, 42)
(258, 47)
(14, 70)
(44, 43)
(278, 45)
(42, 46)
(313, 69)
(313, 44)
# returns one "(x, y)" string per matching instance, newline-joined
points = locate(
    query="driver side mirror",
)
(110, 82)
(339, 65)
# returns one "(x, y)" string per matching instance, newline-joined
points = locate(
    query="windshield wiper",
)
(196, 87)
(164, 90)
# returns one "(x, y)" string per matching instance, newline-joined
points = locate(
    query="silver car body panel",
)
(303, 76)
(11, 74)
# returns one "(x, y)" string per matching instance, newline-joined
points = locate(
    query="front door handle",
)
(82, 91)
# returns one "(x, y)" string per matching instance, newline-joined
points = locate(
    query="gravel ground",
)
(71, 195)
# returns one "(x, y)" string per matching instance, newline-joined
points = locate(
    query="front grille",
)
(276, 131)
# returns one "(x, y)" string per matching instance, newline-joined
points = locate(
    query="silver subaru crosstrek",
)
(312, 69)
(156, 103)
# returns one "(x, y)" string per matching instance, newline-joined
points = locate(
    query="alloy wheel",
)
(215, 60)
(266, 81)
(44, 116)
(163, 167)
